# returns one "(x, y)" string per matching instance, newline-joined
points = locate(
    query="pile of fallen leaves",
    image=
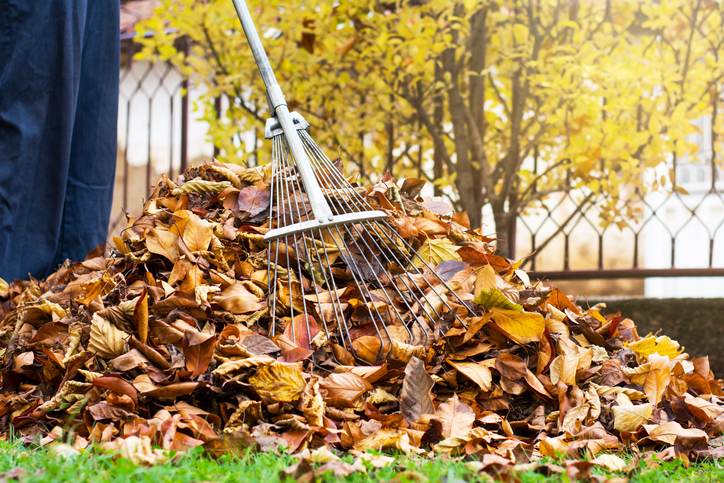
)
(165, 344)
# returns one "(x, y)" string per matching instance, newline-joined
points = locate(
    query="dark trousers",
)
(59, 66)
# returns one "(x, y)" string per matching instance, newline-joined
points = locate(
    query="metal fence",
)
(151, 95)
(562, 232)
(678, 230)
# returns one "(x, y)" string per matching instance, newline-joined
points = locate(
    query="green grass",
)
(38, 465)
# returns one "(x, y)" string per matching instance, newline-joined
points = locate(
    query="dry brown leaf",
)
(199, 356)
(536, 384)
(235, 365)
(163, 242)
(238, 299)
(415, 398)
(117, 385)
(457, 418)
(628, 418)
(390, 439)
(170, 391)
(610, 461)
(477, 372)
(672, 432)
(253, 200)
(561, 301)
(563, 369)
(370, 349)
(140, 316)
(138, 450)
(312, 404)
(196, 233)
(702, 409)
(106, 339)
(658, 377)
(343, 389)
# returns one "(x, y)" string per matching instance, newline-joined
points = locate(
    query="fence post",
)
(184, 114)
(217, 107)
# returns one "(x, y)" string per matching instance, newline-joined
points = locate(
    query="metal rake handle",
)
(318, 203)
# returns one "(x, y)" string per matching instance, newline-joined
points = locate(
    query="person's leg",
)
(93, 151)
(40, 67)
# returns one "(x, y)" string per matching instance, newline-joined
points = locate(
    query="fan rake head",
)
(338, 271)
(348, 279)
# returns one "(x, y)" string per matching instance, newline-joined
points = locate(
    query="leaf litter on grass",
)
(165, 343)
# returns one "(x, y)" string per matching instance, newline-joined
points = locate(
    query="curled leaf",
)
(201, 187)
(415, 398)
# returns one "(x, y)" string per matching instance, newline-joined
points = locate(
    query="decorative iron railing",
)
(562, 232)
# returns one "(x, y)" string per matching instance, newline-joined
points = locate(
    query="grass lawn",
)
(24, 464)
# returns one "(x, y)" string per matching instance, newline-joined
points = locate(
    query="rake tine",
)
(325, 165)
(337, 308)
(369, 302)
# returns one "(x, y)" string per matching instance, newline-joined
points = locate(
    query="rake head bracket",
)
(318, 224)
(274, 128)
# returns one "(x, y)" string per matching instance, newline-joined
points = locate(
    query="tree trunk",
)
(505, 225)
(471, 205)
(438, 114)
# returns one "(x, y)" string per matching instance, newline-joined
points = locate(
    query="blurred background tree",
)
(497, 103)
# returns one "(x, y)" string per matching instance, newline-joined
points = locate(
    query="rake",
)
(341, 272)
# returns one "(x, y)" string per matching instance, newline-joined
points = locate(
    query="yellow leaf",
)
(435, 251)
(495, 298)
(278, 382)
(380, 396)
(521, 327)
(628, 418)
(485, 279)
(488, 294)
(662, 345)
(106, 340)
